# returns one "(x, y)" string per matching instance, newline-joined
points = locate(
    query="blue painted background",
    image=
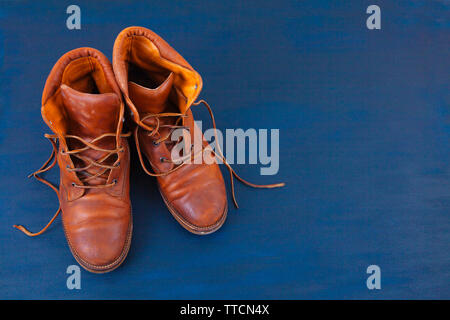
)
(364, 121)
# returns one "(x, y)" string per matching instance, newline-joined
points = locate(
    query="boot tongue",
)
(149, 100)
(90, 115)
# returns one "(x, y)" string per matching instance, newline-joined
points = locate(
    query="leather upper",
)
(156, 80)
(82, 105)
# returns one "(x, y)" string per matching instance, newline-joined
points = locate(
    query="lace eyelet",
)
(155, 143)
(162, 159)
(73, 184)
(114, 181)
(117, 164)
(67, 167)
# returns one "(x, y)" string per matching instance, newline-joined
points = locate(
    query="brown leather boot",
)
(159, 87)
(82, 105)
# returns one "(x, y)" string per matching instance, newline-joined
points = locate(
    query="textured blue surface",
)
(364, 120)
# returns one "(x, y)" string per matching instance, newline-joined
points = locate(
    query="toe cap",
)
(98, 233)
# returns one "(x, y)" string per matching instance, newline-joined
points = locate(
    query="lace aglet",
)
(278, 185)
(31, 175)
(235, 203)
(24, 230)
(266, 186)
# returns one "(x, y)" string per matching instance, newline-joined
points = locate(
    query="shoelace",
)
(50, 163)
(153, 131)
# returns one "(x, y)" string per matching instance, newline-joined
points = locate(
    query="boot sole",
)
(189, 226)
(111, 266)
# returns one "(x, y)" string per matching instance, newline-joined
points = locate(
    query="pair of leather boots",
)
(85, 103)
